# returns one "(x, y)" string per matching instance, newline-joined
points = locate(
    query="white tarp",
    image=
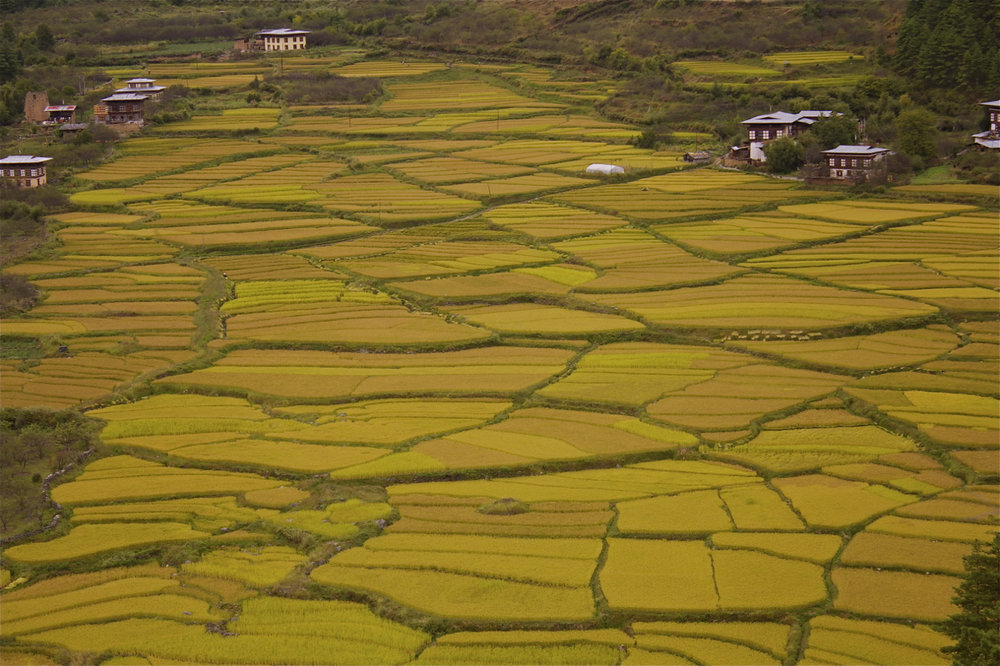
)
(606, 169)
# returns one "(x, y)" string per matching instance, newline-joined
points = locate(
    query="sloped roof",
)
(782, 117)
(24, 159)
(987, 139)
(995, 102)
(143, 89)
(125, 97)
(845, 149)
(283, 32)
(61, 107)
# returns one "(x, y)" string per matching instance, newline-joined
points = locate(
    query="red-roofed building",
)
(60, 114)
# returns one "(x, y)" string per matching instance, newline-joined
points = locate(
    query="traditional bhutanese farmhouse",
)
(770, 126)
(854, 162)
(283, 39)
(60, 114)
(142, 86)
(991, 137)
(778, 124)
(280, 39)
(24, 170)
(120, 109)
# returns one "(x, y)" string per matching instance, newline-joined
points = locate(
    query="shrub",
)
(508, 506)
(784, 155)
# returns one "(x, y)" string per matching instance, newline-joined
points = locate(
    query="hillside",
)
(346, 355)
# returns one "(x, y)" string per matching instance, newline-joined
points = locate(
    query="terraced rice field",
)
(408, 360)
(447, 258)
(796, 58)
(329, 311)
(462, 94)
(722, 68)
(527, 437)
(229, 120)
(493, 370)
(682, 195)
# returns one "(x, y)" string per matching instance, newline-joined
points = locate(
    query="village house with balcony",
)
(24, 170)
(142, 86)
(121, 109)
(775, 125)
(990, 139)
(280, 39)
(855, 163)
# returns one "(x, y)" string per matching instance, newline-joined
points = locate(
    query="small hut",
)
(698, 157)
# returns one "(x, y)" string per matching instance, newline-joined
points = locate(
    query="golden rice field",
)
(753, 232)
(254, 118)
(398, 383)
(722, 68)
(570, 155)
(449, 95)
(303, 374)
(330, 311)
(547, 221)
(682, 195)
(892, 349)
(447, 258)
(171, 154)
(763, 301)
(527, 437)
(810, 57)
(632, 259)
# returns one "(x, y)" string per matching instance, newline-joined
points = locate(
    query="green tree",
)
(783, 155)
(916, 130)
(834, 131)
(976, 627)
(43, 38)
(945, 44)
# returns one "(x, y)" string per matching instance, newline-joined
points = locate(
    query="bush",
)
(834, 131)
(16, 294)
(979, 166)
(320, 87)
(784, 155)
(508, 506)
(916, 130)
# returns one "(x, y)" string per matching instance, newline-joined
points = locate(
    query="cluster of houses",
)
(845, 162)
(126, 106)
